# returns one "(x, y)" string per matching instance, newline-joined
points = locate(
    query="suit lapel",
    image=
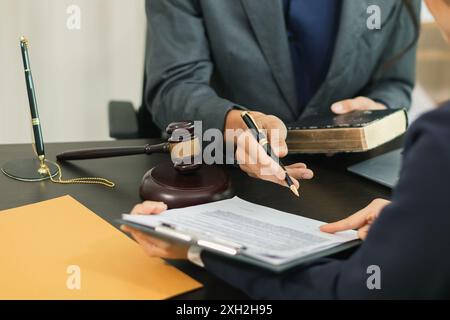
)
(267, 20)
(351, 26)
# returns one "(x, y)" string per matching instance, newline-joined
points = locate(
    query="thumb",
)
(363, 232)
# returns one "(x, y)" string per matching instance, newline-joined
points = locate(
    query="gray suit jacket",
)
(206, 56)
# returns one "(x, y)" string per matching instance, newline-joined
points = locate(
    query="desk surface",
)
(333, 194)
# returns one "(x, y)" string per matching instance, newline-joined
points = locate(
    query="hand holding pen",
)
(259, 155)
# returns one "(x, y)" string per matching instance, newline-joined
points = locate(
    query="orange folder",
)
(58, 249)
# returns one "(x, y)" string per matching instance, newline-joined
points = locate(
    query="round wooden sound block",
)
(205, 184)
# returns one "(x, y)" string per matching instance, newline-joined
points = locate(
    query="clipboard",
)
(233, 251)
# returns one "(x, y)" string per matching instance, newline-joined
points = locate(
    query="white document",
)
(267, 234)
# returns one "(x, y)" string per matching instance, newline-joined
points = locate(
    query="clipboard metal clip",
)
(215, 244)
(229, 249)
(172, 232)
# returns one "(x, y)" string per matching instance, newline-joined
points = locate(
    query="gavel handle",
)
(98, 153)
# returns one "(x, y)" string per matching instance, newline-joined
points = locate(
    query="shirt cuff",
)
(194, 256)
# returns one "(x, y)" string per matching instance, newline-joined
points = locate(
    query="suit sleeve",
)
(178, 66)
(392, 84)
(408, 243)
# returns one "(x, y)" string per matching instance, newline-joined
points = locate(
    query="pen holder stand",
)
(28, 170)
(182, 188)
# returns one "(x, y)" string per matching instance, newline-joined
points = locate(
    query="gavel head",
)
(184, 146)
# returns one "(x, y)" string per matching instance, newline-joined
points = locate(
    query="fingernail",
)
(337, 107)
(282, 150)
(307, 175)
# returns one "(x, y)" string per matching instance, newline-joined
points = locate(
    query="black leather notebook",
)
(356, 119)
(357, 131)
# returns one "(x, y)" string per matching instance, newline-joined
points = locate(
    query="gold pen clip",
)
(246, 113)
(262, 140)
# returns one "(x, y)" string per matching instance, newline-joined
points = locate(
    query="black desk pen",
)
(262, 140)
(37, 131)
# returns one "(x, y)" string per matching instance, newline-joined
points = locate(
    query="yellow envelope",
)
(59, 249)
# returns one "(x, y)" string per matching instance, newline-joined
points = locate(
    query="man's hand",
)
(361, 220)
(154, 247)
(358, 103)
(250, 154)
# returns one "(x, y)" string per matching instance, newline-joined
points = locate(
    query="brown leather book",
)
(354, 132)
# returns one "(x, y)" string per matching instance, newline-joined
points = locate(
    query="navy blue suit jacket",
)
(410, 241)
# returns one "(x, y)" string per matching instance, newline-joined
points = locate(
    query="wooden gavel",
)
(182, 145)
(184, 183)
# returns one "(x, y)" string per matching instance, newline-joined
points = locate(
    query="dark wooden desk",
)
(332, 194)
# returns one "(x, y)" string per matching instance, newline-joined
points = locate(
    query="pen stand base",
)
(205, 184)
(27, 170)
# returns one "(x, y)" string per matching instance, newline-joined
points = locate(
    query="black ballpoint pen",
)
(37, 131)
(262, 140)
